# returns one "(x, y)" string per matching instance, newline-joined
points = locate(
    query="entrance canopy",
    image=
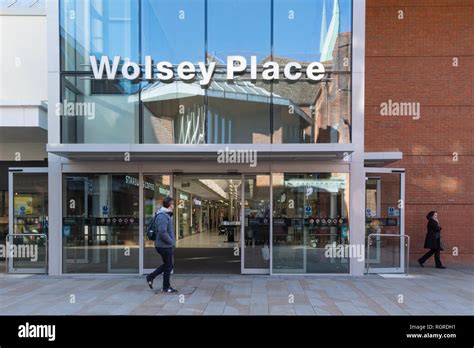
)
(202, 152)
(380, 159)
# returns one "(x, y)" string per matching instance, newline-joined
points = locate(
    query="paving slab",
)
(424, 292)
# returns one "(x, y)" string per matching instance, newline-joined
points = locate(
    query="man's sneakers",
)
(149, 282)
(170, 290)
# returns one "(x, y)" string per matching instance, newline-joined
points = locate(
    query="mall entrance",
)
(207, 219)
(222, 222)
(278, 220)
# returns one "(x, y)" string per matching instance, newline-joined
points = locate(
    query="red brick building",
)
(423, 51)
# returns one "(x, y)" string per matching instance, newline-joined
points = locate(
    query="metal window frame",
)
(302, 271)
(11, 173)
(403, 258)
(243, 270)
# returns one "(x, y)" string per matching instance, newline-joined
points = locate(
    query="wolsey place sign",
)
(187, 71)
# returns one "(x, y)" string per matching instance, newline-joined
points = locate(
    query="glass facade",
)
(279, 222)
(244, 111)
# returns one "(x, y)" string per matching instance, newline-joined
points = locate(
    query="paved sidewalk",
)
(426, 291)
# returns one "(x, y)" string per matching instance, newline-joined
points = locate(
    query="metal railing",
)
(406, 245)
(26, 270)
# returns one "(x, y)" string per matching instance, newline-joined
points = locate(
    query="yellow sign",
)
(23, 205)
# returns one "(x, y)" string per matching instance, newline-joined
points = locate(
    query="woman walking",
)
(432, 240)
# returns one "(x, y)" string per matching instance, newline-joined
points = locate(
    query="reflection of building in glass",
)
(327, 103)
(333, 104)
(239, 111)
(236, 113)
(253, 112)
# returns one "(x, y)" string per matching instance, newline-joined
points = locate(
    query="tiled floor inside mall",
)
(426, 291)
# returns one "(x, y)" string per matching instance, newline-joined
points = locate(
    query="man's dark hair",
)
(430, 214)
(167, 201)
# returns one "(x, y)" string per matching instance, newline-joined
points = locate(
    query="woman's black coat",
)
(433, 236)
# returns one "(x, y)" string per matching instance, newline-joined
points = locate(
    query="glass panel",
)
(30, 217)
(28, 253)
(313, 31)
(257, 222)
(238, 112)
(310, 223)
(382, 211)
(173, 30)
(308, 111)
(155, 189)
(97, 28)
(173, 113)
(239, 27)
(208, 212)
(99, 111)
(312, 112)
(100, 223)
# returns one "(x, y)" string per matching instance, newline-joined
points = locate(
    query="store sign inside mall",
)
(333, 185)
(188, 72)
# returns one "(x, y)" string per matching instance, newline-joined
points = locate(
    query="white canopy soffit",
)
(380, 159)
(201, 152)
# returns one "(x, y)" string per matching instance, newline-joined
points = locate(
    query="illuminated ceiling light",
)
(214, 187)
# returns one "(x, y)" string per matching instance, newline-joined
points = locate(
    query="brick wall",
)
(411, 60)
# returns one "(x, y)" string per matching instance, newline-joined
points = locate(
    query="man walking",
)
(164, 244)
